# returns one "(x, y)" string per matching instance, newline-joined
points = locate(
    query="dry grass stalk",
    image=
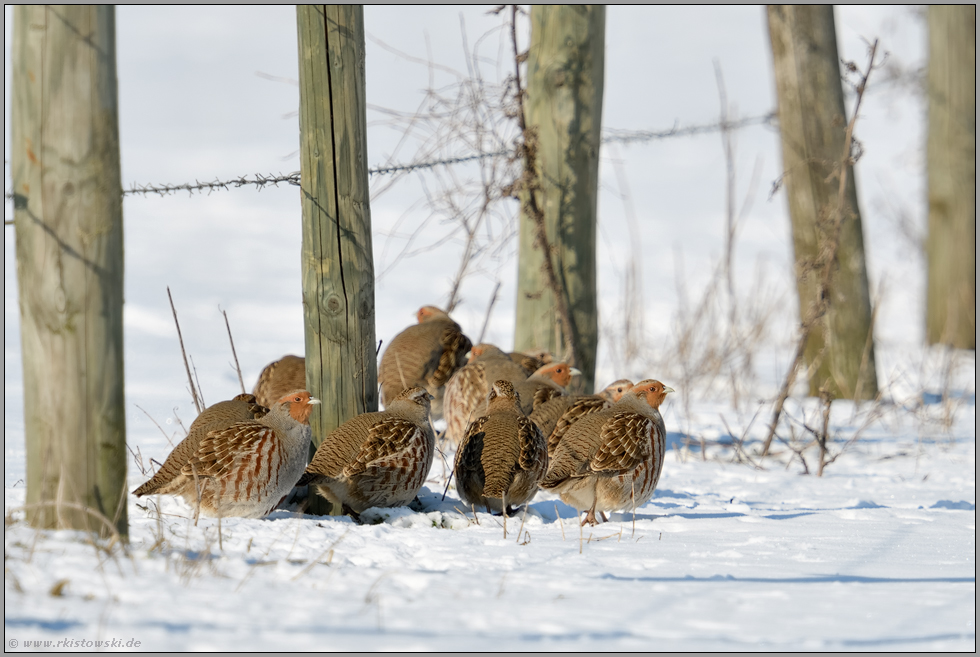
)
(560, 523)
(234, 354)
(180, 338)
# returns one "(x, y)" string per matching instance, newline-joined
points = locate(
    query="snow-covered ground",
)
(877, 554)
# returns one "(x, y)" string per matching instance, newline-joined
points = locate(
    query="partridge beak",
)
(668, 389)
(313, 400)
(575, 372)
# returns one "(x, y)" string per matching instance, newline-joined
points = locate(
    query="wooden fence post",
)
(565, 72)
(812, 123)
(951, 151)
(338, 266)
(69, 242)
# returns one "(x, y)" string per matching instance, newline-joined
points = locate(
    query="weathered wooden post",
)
(69, 241)
(338, 266)
(951, 151)
(812, 123)
(563, 109)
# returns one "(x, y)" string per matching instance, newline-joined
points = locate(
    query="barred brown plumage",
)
(502, 456)
(279, 378)
(467, 390)
(246, 469)
(168, 480)
(424, 355)
(612, 459)
(558, 414)
(376, 459)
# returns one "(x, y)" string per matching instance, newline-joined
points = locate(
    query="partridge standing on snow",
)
(556, 415)
(376, 459)
(612, 459)
(168, 480)
(467, 390)
(425, 355)
(502, 456)
(246, 469)
(279, 378)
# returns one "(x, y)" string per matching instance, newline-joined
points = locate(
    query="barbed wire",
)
(261, 181)
(628, 136)
(258, 180)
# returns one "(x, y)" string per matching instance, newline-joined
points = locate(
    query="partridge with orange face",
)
(547, 383)
(376, 459)
(280, 378)
(612, 459)
(502, 456)
(246, 469)
(425, 355)
(168, 480)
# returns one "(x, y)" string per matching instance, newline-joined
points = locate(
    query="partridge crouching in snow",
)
(425, 355)
(246, 469)
(612, 459)
(376, 459)
(279, 378)
(169, 479)
(502, 456)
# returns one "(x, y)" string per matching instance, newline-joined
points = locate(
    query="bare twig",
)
(187, 367)
(828, 255)
(486, 318)
(238, 368)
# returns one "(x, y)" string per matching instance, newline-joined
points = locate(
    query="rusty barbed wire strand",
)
(261, 181)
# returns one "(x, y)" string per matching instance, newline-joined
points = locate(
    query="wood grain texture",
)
(337, 264)
(69, 244)
(812, 123)
(951, 151)
(564, 109)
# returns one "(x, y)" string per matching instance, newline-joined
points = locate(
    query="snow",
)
(879, 553)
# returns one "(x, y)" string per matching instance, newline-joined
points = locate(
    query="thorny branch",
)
(828, 254)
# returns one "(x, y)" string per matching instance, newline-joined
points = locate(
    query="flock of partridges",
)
(515, 427)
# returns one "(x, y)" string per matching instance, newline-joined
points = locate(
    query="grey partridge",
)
(245, 470)
(467, 390)
(531, 361)
(548, 382)
(612, 459)
(168, 480)
(279, 378)
(554, 416)
(425, 355)
(376, 459)
(502, 456)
